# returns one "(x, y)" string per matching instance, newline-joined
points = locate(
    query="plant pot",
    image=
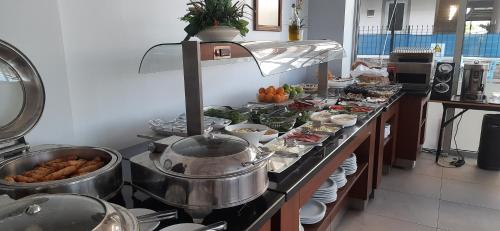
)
(218, 33)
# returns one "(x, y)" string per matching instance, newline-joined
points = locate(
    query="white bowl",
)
(321, 116)
(345, 120)
(267, 138)
(252, 137)
(218, 34)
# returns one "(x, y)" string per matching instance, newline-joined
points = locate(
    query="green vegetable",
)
(299, 89)
(234, 115)
(293, 93)
(286, 87)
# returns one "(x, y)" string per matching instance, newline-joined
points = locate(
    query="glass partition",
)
(271, 57)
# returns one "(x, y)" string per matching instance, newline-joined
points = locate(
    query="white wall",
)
(365, 21)
(326, 21)
(34, 28)
(422, 12)
(102, 100)
(350, 7)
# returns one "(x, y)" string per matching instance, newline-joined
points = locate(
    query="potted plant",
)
(216, 20)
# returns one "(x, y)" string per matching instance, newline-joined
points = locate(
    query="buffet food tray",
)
(283, 159)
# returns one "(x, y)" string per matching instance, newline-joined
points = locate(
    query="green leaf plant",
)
(203, 14)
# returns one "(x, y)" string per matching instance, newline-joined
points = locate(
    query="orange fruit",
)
(269, 98)
(280, 91)
(270, 90)
(262, 90)
(277, 98)
(262, 98)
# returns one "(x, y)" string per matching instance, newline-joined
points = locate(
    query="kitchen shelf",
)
(332, 209)
(272, 57)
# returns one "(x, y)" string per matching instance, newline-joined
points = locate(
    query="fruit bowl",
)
(276, 98)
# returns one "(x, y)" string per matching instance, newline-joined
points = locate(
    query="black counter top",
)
(250, 216)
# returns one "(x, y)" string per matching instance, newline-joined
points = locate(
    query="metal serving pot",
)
(65, 212)
(102, 183)
(208, 172)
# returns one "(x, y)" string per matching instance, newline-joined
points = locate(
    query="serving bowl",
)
(273, 134)
(104, 182)
(345, 120)
(250, 132)
(282, 123)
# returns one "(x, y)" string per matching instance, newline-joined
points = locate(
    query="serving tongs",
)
(217, 226)
(157, 216)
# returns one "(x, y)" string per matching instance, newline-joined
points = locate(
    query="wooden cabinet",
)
(385, 148)
(359, 186)
(411, 129)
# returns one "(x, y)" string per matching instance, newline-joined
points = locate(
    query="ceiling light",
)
(453, 11)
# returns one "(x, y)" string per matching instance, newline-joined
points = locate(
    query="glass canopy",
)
(271, 57)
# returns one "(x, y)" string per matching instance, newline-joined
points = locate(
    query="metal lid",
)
(53, 212)
(207, 156)
(22, 95)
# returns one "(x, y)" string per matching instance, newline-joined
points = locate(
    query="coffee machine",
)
(473, 81)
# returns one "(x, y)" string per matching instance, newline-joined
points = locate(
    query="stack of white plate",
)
(301, 228)
(350, 165)
(327, 192)
(312, 212)
(339, 177)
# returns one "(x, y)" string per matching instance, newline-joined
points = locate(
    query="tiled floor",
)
(430, 197)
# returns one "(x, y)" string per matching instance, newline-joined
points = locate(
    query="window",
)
(370, 13)
(399, 15)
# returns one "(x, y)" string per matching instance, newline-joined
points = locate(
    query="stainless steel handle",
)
(158, 216)
(263, 156)
(156, 147)
(218, 226)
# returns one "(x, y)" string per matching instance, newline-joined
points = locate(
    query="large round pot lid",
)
(53, 212)
(208, 156)
(22, 95)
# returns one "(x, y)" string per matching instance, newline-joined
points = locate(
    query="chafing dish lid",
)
(22, 95)
(53, 212)
(207, 156)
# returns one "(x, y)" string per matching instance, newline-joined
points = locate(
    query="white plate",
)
(145, 226)
(183, 227)
(345, 120)
(327, 185)
(312, 212)
(266, 138)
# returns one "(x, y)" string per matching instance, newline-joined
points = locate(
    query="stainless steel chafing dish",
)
(22, 99)
(203, 172)
(47, 213)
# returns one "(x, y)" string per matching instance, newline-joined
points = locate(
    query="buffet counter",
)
(278, 208)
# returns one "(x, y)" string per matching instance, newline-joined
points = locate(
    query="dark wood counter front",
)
(359, 185)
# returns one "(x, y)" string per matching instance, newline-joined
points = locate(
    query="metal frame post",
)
(323, 80)
(393, 20)
(193, 90)
(457, 59)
